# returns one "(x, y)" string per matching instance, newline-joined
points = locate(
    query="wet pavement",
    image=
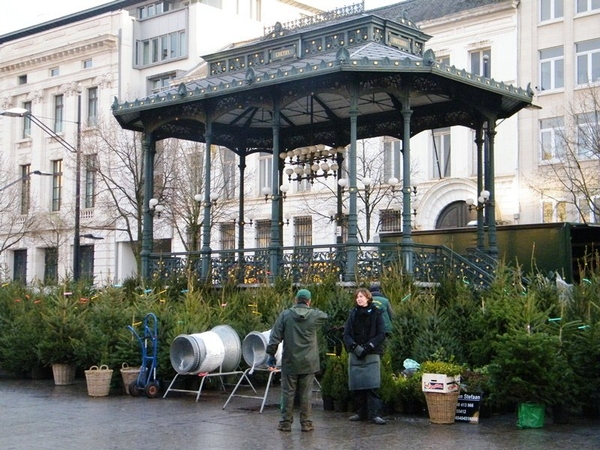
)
(37, 414)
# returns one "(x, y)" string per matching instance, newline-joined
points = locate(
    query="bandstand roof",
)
(309, 69)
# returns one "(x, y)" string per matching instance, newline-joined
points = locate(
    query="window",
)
(552, 139)
(444, 60)
(214, 3)
(256, 10)
(551, 9)
(51, 265)
(587, 135)
(54, 72)
(552, 70)
(27, 121)
(229, 173)
(586, 5)
(391, 159)
(20, 266)
(161, 48)
(227, 236)
(246, 8)
(342, 229)
(441, 153)
(154, 9)
(57, 182)
(263, 233)
(304, 185)
(554, 211)
(92, 107)
(58, 113)
(390, 220)
(86, 253)
(159, 83)
(302, 231)
(87, 63)
(589, 209)
(588, 61)
(25, 188)
(22, 79)
(91, 168)
(481, 62)
(265, 171)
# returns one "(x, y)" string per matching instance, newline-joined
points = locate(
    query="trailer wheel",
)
(134, 390)
(152, 389)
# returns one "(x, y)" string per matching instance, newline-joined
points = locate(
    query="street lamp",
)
(25, 177)
(22, 112)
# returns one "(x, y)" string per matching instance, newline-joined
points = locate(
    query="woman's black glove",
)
(360, 351)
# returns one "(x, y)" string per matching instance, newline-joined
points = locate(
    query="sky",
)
(17, 14)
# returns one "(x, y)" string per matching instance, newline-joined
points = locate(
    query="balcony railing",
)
(316, 263)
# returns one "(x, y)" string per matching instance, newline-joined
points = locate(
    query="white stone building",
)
(147, 45)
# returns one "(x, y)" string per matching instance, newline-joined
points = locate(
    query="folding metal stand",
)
(272, 371)
(204, 376)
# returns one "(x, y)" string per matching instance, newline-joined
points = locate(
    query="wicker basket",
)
(441, 407)
(64, 374)
(98, 380)
(128, 374)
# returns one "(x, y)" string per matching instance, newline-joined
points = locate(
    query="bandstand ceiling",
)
(311, 73)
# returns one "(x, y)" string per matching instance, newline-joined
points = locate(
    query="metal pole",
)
(352, 242)
(407, 242)
(275, 248)
(149, 149)
(490, 207)
(480, 232)
(206, 251)
(76, 230)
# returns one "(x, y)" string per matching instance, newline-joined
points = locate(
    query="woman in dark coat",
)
(364, 334)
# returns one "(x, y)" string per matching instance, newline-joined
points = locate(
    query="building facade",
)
(138, 48)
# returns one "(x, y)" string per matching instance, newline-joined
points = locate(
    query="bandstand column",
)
(490, 207)
(206, 250)
(352, 242)
(149, 149)
(275, 245)
(479, 142)
(407, 250)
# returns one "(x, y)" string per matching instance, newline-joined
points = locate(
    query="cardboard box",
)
(437, 382)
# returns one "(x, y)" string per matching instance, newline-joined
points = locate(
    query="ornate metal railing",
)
(337, 13)
(313, 264)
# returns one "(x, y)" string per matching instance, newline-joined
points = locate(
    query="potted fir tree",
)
(63, 326)
(335, 382)
(530, 371)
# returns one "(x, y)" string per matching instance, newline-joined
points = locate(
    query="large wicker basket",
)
(441, 406)
(129, 374)
(64, 374)
(98, 380)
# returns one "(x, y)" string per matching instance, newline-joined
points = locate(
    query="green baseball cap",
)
(304, 293)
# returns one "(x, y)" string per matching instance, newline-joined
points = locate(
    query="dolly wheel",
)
(134, 390)
(152, 389)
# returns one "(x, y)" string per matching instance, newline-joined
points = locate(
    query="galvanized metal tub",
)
(196, 353)
(254, 349)
(232, 345)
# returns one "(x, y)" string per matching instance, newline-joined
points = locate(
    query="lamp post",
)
(24, 177)
(22, 112)
(76, 226)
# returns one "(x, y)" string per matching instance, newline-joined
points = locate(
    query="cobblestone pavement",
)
(36, 414)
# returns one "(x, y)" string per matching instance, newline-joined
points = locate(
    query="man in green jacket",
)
(297, 328)
(383, 304)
